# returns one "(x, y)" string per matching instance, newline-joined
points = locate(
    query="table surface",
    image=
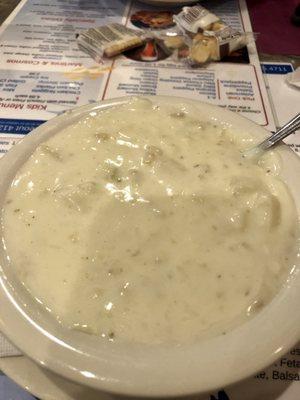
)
(6, 7)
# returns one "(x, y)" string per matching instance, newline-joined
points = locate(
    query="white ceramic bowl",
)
(142, 370)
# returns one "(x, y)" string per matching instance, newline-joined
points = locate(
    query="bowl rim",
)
(184, 370)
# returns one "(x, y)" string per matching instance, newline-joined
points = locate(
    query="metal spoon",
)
(276, 137)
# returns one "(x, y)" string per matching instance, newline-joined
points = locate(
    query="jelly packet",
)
(109, 40)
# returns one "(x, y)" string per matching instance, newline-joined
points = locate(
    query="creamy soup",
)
(145, 223)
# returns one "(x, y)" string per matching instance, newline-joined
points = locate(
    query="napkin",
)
(7, 349)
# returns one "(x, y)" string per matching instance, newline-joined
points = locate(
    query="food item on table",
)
(144, 223)
(208, 37)
(199, 37)
(204, 49)
(149, 52)
(217, 26)
(191, 19)
(108, 40)
(152, 19)
(213, 47)
(174, 42)
(153, 50)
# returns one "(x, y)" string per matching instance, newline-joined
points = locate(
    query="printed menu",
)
(43, 73)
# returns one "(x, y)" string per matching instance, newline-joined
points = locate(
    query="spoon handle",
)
(283, 132)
